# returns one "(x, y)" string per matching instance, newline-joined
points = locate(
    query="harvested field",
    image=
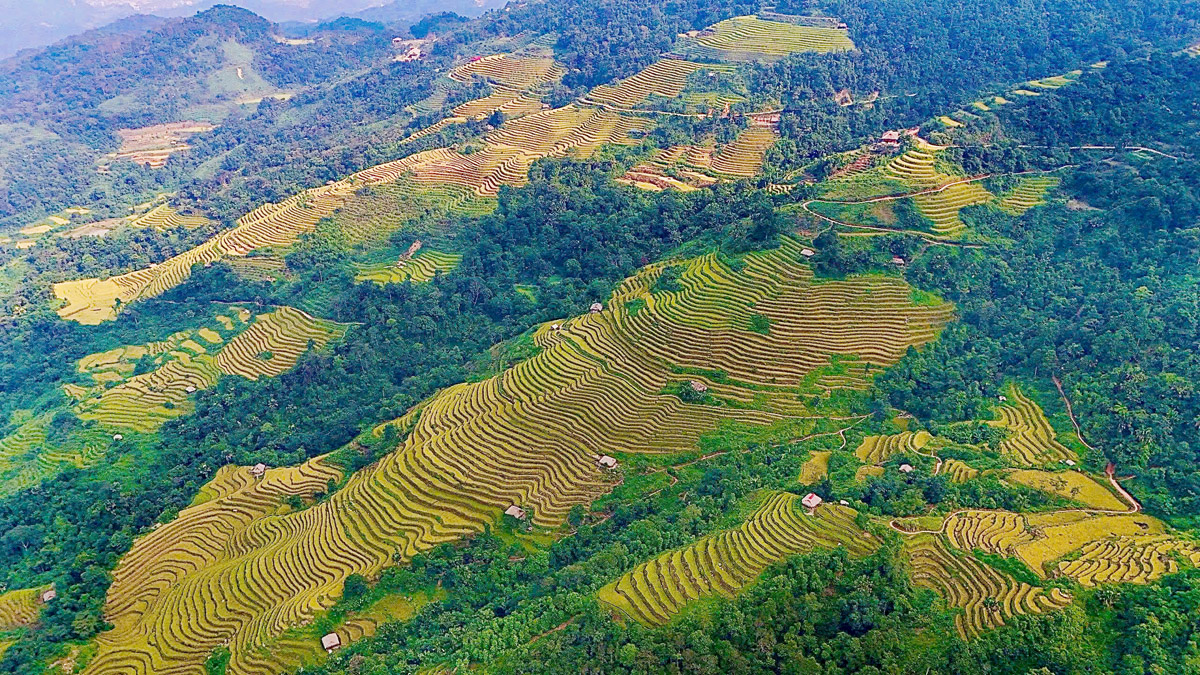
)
(152, 145)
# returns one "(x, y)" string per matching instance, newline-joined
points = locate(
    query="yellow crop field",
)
(991, 531)
(942, 207)
(163, 217)
(985, 595)
(665, 78)
(422, 267)
(815, 469)
(654, 591)
(1123, 559)
(274, 342)
(959, 472)
(234, 570)
(743, 158)
(505, 158)
(1059, 540)
(1069, 484)
(1031, 440)
(517, 72)
(20, 607)
(93, 301)
(749, 38)
(877, 449)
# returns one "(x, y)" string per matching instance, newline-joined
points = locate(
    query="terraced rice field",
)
(914, 168)
(1130, 559)
(27, 459)
(510, 150)
(749, 38)
(163, 217)
(682, 167)
(966, 583)
(93, 301)
(274, 342)
(958, 471)
(743, 158)
(368, 219)
(422, 267)
(266, 268)
(232, 571)
(1030, 193)
(666, 78)
(505, 159)
(942, 207)
(516, 72)
(190, 361)
(654, 591)
(1059, 539)
(20, 608)
(877, 449)
(1031, 440)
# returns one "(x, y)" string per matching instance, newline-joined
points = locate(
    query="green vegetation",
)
(645, 299)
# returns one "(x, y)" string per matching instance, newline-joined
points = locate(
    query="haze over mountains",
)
(34, 24)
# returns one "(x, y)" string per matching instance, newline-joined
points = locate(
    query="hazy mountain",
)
(33, 24)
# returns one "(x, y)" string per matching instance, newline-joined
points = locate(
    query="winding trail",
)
(1071, 413)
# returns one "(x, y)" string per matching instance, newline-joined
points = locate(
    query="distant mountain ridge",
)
(31, 25)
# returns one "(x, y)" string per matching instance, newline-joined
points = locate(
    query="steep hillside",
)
(605, 337)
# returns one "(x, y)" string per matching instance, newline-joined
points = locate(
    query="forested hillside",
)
(697, 336)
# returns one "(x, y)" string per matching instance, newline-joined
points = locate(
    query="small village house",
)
(48, 595)
(811, 501)
(331, 642)
(515, 511)
(597, 308)
(607, 462)
(906, 468)
(258, 470)
(807, 252)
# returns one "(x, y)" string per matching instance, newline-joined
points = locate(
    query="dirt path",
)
(557, 628)
(1071, 413)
